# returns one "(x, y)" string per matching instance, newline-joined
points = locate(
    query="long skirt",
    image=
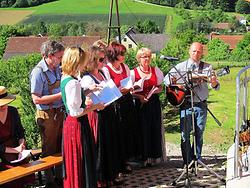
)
(150, 123)
(127, 127)
(78, 153)
(105, 131)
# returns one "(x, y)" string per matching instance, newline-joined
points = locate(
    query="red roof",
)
(222, 25)
(232, 40)
(26, 45)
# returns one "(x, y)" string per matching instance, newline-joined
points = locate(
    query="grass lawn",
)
(222, 103)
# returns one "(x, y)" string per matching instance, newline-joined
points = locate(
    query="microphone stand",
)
(189, 86)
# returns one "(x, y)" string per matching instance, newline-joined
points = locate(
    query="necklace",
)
(145, 72)
(117, 69)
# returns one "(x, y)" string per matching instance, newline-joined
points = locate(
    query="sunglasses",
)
(101, 59)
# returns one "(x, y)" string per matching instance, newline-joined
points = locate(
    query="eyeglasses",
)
(101, 59)
(145, 57)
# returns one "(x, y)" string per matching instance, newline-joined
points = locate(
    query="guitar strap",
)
(201, 65)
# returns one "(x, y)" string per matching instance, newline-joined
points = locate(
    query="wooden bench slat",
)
(29, 168)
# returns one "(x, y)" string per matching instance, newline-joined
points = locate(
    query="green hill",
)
(65, 10)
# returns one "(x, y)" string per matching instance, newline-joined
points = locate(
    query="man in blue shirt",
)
(46, 95)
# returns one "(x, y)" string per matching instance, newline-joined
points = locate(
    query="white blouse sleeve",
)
(159, 75)
(106, 73)
(86, 82)
(132, 75)
(127, 69)
(74, 97)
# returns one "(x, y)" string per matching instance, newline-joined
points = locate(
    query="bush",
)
(217, 50)
(147, 26)
(242, 51)
(242, 6)
(14, 73)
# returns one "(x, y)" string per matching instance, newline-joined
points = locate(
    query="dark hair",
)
(114, 50)
(51, 47)
(93, 53)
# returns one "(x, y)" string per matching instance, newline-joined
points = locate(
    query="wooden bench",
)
(29, 168)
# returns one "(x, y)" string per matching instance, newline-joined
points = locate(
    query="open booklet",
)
(152, 91)
(108, 94)
(23, 155)
(138, 85)
(126, 83)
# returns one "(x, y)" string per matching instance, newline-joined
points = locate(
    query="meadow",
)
(130, 10)
(125, 19)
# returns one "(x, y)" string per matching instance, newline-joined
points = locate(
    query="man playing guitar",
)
(201, 74)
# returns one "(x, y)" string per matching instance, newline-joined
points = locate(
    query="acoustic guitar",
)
(176, 94)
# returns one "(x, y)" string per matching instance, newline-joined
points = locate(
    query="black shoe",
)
(118, 180)
(51, 185)
(127, 169)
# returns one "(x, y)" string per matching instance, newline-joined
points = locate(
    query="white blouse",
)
(158, 72)
(106, 71)
(73, 97)
(87, 81)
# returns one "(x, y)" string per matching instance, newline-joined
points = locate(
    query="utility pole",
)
(110, 21)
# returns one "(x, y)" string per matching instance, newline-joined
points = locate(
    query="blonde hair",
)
(73, 58)
(141, 52)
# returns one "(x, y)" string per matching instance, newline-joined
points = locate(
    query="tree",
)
(185, 14)
(242, 50)
(198, 24)
(217, 50)
(147, 26)
(40, 28)
(14, 74)
(242, 6)
(21, 3)
(55, 30)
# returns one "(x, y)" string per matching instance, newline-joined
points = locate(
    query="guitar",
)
(176, 93)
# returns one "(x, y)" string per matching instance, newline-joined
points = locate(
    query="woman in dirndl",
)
(103, 122)
(78, 143)
(148, 108)
(117, 70)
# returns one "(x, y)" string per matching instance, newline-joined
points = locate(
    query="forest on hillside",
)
(22, 3)
(240, 6)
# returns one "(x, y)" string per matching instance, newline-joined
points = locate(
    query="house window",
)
(129, 45)
(125, 39)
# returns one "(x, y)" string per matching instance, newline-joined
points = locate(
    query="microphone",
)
(169, 58)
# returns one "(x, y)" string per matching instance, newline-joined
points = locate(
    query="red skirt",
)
(93, 122)
(72, 152)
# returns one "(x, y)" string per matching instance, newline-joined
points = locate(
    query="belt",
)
(204, 101)
(56, 109)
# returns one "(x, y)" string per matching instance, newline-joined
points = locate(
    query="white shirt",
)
(73, 97)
